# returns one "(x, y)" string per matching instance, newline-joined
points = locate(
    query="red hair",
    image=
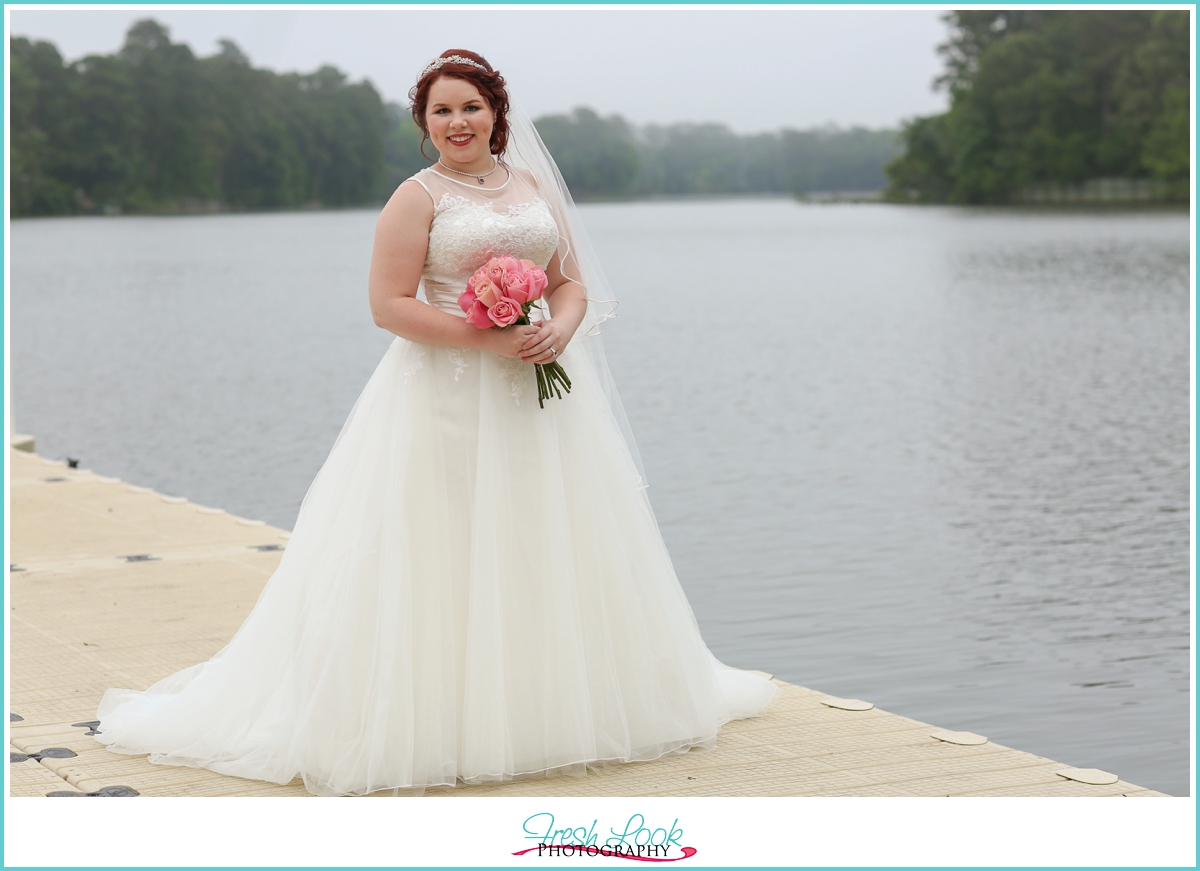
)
(488, 82)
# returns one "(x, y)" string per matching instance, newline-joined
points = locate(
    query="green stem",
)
(558, 370)
(543, 393)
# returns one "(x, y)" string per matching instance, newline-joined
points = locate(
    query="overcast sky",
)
(754, 69)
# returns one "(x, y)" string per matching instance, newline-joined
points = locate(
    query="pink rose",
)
(527, 265)
(494, 271)
(466, 299)
(517, 286)
(480, 273)
(478, 315)
(487, 292)
(537, 283)
(498, 267)
(504, 312)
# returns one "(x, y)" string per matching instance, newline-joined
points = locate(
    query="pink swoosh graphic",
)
(688, 852)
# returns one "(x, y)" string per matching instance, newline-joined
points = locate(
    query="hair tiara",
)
(453, 59)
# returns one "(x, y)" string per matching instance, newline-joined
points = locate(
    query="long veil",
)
(744, 693)
(577, 259)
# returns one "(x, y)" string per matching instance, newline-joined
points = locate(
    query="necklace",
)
(475, 175)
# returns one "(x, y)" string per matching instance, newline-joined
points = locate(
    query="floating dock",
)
(114, 585)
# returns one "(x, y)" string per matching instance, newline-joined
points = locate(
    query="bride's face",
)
(459, 121)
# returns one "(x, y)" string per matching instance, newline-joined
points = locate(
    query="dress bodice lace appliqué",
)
(470, 226)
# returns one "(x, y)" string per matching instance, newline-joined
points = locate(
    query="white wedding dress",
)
(475, 590)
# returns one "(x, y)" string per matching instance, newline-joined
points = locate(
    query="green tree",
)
(923, 173)
(690, 159)
(261, 165)
(172, 118)
(596, 156)
(42, 105)
(1153, 101)
(1048, 96)
(107, 133)
(341, 129)
(402, 149)
(152, 127)
(836, 160)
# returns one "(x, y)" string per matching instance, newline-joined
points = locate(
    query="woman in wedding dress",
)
(476, 588)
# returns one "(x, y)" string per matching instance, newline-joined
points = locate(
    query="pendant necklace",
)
(479, 178)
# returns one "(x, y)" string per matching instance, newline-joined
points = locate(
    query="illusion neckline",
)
(475, 187)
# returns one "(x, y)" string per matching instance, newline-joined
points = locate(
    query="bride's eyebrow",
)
(465, 103)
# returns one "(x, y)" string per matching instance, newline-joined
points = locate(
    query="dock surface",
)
(114, 585)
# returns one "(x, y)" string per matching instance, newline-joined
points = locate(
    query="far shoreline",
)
(812, 198)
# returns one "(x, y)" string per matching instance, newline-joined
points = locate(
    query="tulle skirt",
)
(475, 590)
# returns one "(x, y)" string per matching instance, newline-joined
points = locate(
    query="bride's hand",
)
(509, 341)
(548, 335)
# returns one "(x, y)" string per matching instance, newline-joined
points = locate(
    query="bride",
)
(476, 588)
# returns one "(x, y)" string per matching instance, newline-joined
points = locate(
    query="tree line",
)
(155, 128)
(608, 158)
(1053, 97)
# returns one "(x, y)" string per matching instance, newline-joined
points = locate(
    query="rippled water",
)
(934, 458)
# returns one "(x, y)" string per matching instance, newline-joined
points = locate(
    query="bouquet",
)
(500, 294)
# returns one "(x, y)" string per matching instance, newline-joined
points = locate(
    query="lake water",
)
(936, 458)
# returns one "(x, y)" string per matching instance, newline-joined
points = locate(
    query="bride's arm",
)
(401, 242)
(567, 301)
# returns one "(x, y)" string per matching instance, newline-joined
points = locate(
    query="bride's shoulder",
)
(422, 176)
(413, 200)
(425, 179)
(525, 175)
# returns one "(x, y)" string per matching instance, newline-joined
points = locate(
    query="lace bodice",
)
(472, 224)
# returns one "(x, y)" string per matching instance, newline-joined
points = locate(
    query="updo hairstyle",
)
(489, 83)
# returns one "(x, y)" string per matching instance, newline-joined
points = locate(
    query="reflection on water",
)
(935, 458)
